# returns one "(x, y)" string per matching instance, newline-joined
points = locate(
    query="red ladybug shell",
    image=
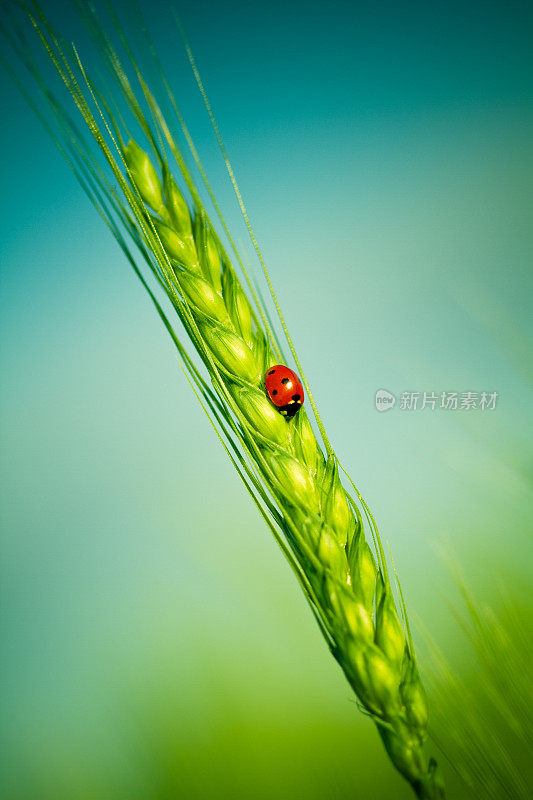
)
(284, 389)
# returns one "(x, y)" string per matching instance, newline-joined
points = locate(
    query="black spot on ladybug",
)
(274, 391)
(272, 371)
(284, 380)
(296, 397)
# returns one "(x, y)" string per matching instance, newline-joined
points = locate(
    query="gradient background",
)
(155, 643)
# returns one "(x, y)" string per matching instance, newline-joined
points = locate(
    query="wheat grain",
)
(353, 595)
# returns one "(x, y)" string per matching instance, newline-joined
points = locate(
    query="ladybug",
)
(284, 390)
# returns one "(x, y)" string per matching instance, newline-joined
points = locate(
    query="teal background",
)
(154, 641)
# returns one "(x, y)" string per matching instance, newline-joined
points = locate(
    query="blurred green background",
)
(155, 644)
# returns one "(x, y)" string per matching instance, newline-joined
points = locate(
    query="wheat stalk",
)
(322, 524)
(294, 481)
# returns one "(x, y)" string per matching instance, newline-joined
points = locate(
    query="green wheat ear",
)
(483, 718)
(294, 480)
